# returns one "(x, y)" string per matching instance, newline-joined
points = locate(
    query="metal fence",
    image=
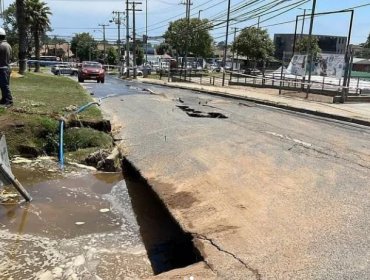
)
(358, 83)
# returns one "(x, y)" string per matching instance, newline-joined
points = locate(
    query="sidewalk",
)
(358, 113)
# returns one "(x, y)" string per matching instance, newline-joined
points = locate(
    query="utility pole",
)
(232, 66)
(304, 17)
(104, 54)
(227, 35)
(127, 42)
(134, 10)
(259, 19)
(117, 20)
(309, 49)
(187, 16)
(146, 31)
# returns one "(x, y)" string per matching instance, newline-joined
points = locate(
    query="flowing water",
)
(79, 226)
(87, 226)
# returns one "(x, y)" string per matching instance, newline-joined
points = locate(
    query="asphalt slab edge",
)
(272, 104)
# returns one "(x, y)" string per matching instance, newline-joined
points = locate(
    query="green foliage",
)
(254, 43)
(367, 43)
(36, 24)
(38, 16)
(112, 56)
(48, 125)
(165, 48)
(10, 24)
(302, 45)
(82, 138)
(139, 56)
(195, 35)
(84, 46)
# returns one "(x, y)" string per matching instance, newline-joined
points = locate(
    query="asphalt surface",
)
(266, 193)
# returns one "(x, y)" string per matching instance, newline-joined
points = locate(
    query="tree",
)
(112, 55)
(367, 43)
(10, 24)
(84, 47)
(195, 36)
(22, 34)
(254, 43)
(38, 19)
(302, 45)
(139, 56)
(165, 48)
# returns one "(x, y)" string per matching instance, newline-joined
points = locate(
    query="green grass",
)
(40, 100)
(49, 95)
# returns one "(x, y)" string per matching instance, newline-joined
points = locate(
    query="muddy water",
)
(79, 226)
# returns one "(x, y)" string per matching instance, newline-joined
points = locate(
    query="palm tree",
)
(38, 19)
(22, 34)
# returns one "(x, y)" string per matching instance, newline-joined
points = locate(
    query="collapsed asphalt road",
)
(267, 194)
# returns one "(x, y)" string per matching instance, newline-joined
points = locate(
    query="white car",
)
(64, 69)
(138, 72)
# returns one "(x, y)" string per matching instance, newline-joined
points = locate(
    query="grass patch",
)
(40, 100)
(49, 95)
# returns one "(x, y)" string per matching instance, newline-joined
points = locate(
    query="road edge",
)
(271, 104)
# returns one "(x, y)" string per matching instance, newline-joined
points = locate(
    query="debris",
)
(21, 160)
(6, 196)
(79, 223)
(104, 210)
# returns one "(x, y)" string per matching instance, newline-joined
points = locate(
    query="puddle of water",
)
(79, 227)
(89, 226)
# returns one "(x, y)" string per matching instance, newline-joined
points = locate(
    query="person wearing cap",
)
(5, 56)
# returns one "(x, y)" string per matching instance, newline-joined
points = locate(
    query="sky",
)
(76, 16)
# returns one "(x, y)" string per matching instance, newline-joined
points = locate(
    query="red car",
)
(91, 70)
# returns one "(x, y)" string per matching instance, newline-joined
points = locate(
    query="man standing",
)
(5, 55)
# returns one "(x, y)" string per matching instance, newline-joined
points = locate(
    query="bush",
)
(82, 138)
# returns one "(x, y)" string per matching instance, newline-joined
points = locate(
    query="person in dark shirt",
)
(5, 55)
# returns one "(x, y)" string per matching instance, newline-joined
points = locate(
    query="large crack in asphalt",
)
(255, 272)
(328, 153)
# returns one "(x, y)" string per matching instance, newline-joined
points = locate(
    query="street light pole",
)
(199, 13)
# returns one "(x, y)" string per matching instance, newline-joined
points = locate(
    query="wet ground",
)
(81, 226)
(85, 226)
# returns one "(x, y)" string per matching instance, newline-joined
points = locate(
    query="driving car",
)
(61, 69)
(91, 70)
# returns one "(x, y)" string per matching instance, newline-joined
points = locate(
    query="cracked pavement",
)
(267, 194)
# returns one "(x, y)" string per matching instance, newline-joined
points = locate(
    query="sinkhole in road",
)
(199, 114)
(168, 246)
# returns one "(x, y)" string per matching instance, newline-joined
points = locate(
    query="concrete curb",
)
(272, 104)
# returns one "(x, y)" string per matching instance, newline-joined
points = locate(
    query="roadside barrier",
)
(6, 175)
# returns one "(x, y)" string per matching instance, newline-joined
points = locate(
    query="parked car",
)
(252, 71)
(64, 69)
(91, 70)
(138, 71)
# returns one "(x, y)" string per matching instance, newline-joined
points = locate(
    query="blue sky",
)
(72, 16)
